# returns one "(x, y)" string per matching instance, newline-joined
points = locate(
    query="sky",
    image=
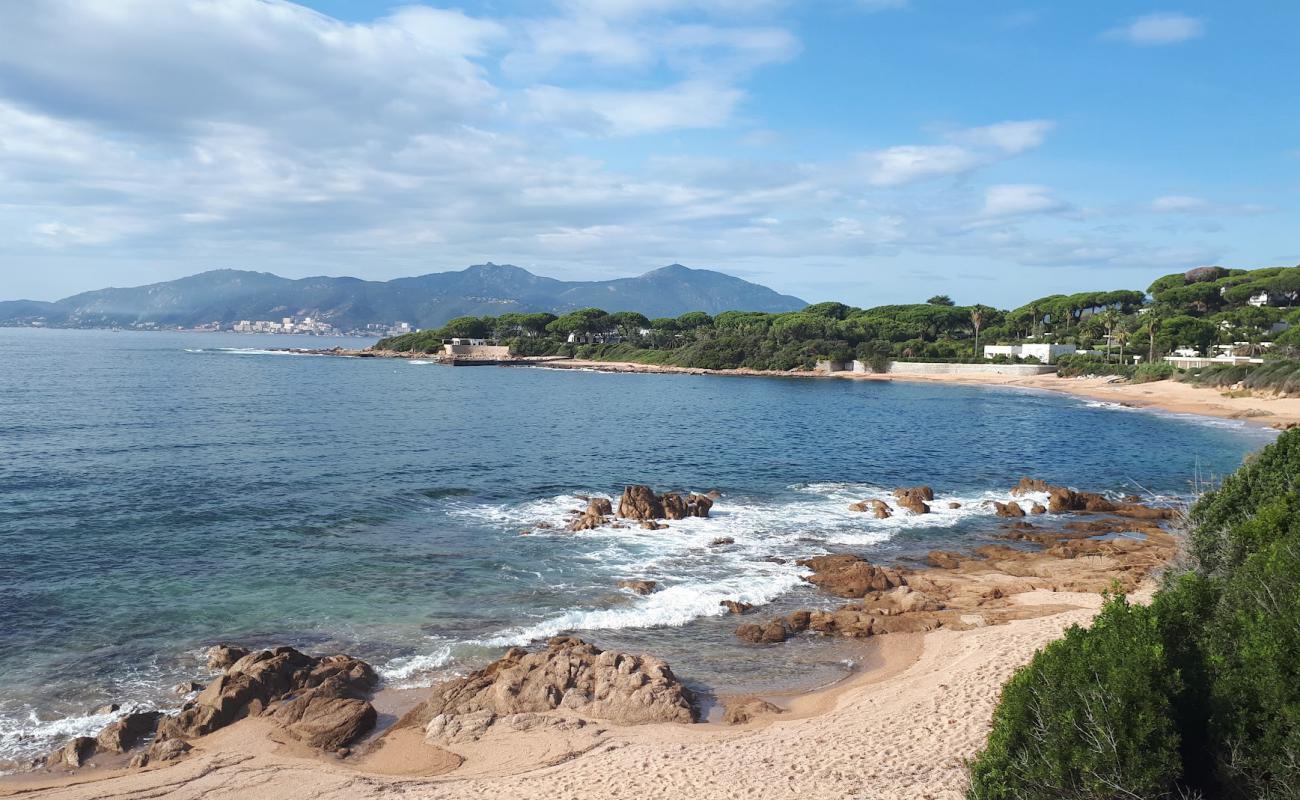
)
(866, 151)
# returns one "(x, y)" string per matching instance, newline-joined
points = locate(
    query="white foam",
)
(404, 672)
(24, 737)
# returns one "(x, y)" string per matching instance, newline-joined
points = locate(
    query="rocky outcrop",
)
(736, 606)
(742, 711)
(1011, 509)
(850, 576)
(641, 503)
(898, 610)
(1061, 500)
(569, 678)
(1037, 508)
(222, 656)
(596, 514)
(159, 752)
(878, 507)
(1030, 486)
(638, 586)
(73, 754)
(328, 716)
(943, 559)
(317, 700)
(127, 732)
(915, 499)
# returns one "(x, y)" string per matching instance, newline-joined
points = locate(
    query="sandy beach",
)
(1173, 396)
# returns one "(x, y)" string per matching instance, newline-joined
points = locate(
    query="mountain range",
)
(426, 301)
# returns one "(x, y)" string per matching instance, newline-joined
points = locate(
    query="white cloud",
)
(1019, 199)
(686, 105)
(1157, 29)
(1178, 203)
(969, 149)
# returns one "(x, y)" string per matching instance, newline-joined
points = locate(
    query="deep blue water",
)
(160, 492)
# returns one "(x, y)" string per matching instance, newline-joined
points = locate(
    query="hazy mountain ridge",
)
(228, 295)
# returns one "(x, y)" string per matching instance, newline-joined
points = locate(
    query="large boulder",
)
(1011, 509)
(268, 680)
(328, 716)
(222, 656)
(1030, 486)
(161, 751)
(744, 710)
(736, 606)
(640, 502)
(127, 732)
(1061, 500)
(570, 676)
(850, 576)
(674, 506)
(73, 754)
(598, 509)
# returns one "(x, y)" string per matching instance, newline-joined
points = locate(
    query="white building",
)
(1045, 353)
(1258, 299)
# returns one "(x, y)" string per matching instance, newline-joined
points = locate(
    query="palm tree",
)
(1109, 318)
(977, 321)
(1151, 324)
(1121, 338)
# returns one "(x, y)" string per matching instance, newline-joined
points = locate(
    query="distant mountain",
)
(228, 295)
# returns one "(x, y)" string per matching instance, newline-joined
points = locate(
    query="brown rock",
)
(736, 606)
(328, 716)
(914, 499)
(651, 525)
(1011, 509)
(944, 559)
(640, 502)
(255, 681)
(850, 576)
(954, 504)
(640, 587)
(699, 505)
(1037, 508)
(186, 687)
(1062, 500)
(772, 632)
(73, 754)
(161, 751)
(569, 674)
(598, 508)
(223, 655)
(1029, 485)
(742, 711)
(724, 540)
(713, 494)
(127, 732)
(674, 506)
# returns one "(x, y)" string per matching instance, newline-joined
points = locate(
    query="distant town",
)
(308, 326)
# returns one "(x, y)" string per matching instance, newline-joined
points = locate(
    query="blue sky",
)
(868, 151)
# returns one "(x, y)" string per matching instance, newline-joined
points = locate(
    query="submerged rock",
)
(638, 586)
(736, 606)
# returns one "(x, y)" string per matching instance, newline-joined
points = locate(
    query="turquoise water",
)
(160, 492)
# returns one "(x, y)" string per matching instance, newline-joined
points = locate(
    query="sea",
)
(161, 492)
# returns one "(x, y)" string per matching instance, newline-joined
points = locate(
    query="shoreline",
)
(1264, 411)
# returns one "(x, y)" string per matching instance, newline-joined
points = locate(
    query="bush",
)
(1089, 717)
(1076, 365)
(1254, 644)
(1146, 373)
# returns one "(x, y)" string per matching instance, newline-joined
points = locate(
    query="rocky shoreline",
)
(574, 695)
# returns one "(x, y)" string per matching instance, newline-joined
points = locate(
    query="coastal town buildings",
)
(1045, 353)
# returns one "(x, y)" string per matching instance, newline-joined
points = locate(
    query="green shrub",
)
(1253, 643)
(1090, 717)
(1159, 371)
(1076, 365)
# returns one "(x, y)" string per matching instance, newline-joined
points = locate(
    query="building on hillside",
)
(1044, 352)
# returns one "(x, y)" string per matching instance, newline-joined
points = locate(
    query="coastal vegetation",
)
(1195, 695)
(1198, 309)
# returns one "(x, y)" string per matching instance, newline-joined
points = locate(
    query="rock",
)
(569, 674)
(651, 525)
(161, 751)
(849, 576)
(640, 587)
(944, 559)
(1062, 500)
(736, 606)
(740, 712)
(1011, 509)
(879, 507)
(722, 541)
(1028, 486)
(598, 509)
(106, 709)
(770, 633)
(1139, 511)
(674, 506)
(73, 754)
(256, 680)
(914, 499)
(640, 502)
(328, 716)
(223, 655)
(699, 505)
(1037, 508)
(713, 494)
(860, 506)
(954, 504)
(187, 687)
(127, 732)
